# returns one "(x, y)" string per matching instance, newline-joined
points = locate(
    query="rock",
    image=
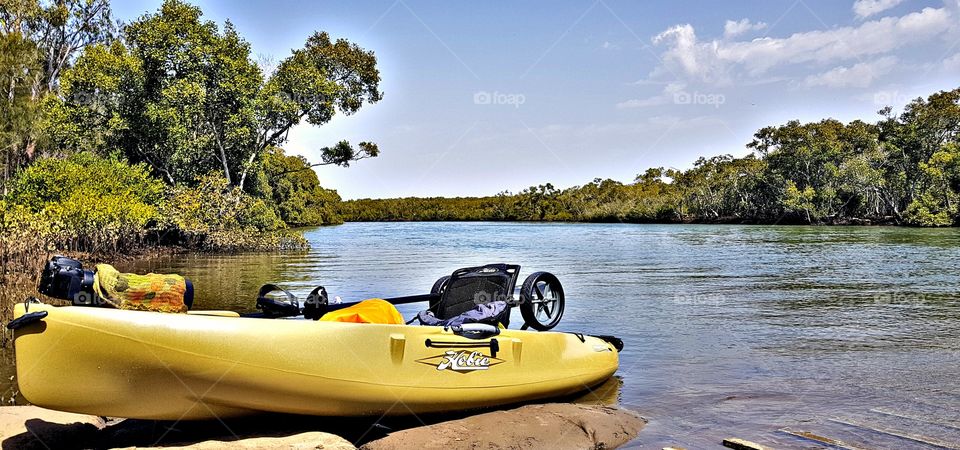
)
(549, 426)
(553, 426)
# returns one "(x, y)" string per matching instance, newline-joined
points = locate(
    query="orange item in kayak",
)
(374, 310)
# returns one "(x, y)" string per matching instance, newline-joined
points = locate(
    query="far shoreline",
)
(849, 223)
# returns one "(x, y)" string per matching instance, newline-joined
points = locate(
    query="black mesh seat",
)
(472, 286)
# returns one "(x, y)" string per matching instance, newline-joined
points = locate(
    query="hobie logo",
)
(461, 361)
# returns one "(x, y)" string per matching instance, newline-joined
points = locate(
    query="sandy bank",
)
(553, 426)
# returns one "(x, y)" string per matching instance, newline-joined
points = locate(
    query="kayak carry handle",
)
(26, 319)
(492, 344)
(475, 330)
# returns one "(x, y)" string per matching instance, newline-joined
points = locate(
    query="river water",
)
(850, 333)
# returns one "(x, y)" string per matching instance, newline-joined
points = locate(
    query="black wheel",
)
(541, 301)
(440, 285)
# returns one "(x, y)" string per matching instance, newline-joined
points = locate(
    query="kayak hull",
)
(150, 365)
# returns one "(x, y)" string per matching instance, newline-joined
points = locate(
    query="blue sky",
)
(482, 97)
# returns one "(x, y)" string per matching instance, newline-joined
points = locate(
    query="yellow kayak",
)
(151, 365)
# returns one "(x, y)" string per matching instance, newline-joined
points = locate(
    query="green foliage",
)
(800, 201)
(182, 95)
(213, 205)
(939, 201)
(313, 84)
(926, 211)
(22, 232)
(343, 153)
(175, 93)
(38, 40)
(180, 98)
(103, 202)
(88, 203)
(61, 28)
(52, 180)
(719, 188)
(19, 72)
(295, 191)
(213, 215)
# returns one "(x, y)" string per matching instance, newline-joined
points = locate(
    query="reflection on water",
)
(849, 333)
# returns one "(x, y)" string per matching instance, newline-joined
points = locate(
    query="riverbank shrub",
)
(291, 185)
(926, 211)
(88, 202)
(214, 215)
(99, 205)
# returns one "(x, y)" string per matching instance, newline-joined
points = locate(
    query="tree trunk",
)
(7, 148)
(6, 170)
(246, 168)
(223, 159)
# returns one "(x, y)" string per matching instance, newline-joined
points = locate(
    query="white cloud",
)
(688, 56)
(859, 75)
(720, 61)
(667, 96)
(867, 8)
(736, 28)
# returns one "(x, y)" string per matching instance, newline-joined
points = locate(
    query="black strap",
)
(276, 308)
(26, 319)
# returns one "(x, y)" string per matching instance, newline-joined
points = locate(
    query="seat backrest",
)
(471, 286)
